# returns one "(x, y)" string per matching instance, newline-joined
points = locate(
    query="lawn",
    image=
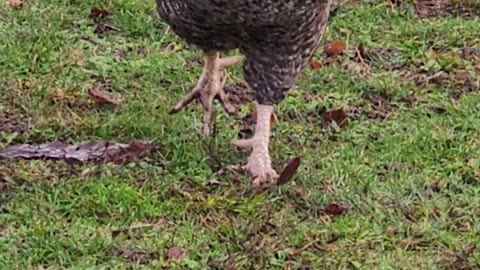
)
(397, 187)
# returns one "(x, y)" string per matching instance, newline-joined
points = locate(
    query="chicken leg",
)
(210, 87)
(259, 164)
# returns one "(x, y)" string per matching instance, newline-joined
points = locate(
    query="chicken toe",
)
(210, 87)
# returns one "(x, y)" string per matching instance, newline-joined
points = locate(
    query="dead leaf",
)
(97, 13)
(15, 4)
(335, 209)
(100, 97)
(96, 152)
(338, 116)
(333, 48)
(314, 64)
(174, 254)
(289, 171)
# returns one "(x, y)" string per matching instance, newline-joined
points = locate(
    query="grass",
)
(407, 166)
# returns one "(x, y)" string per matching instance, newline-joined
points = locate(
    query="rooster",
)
(277, 38)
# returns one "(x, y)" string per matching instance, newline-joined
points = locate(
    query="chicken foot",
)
(259, 164)
(210, 87)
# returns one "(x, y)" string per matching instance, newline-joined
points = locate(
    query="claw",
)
(210, 88)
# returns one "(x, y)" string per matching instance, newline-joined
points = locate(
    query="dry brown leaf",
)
(174, 254)
(15, 4)
(98, 13)
(333, 48)
(289, 171)
(96, 152)
(338, 116)
(335, 209)
(314, 64)
(100, 97)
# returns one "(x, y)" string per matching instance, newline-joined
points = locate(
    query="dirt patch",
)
(239, 93)
(457, 84)
(142, 257)
(379, 107)
(467, 9)
(469, 53)
(14, 123)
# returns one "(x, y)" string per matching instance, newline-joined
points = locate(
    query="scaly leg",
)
(210, 87)
(259, 164)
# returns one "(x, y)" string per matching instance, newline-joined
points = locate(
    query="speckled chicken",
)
(277, 38)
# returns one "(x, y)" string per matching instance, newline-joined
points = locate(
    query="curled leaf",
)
(335, 209)
(289, 171)
(100, 97)
(333, 48)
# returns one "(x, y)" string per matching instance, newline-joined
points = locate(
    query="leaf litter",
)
(14, 122)
(94, 152)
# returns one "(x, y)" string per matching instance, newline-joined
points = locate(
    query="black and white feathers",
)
(277, 37)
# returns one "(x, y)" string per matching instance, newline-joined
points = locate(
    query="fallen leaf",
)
(97, 13)
(289, 171)
(96, 152)
(174, 254)
(100, 97)
(333, 48)
(335, 209)
(314, 64)
(338, 116)
(15, 4)
(462, 76)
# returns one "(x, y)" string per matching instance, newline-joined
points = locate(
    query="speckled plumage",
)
(277, 37)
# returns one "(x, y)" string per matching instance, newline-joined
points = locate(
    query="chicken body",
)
(277, 37)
